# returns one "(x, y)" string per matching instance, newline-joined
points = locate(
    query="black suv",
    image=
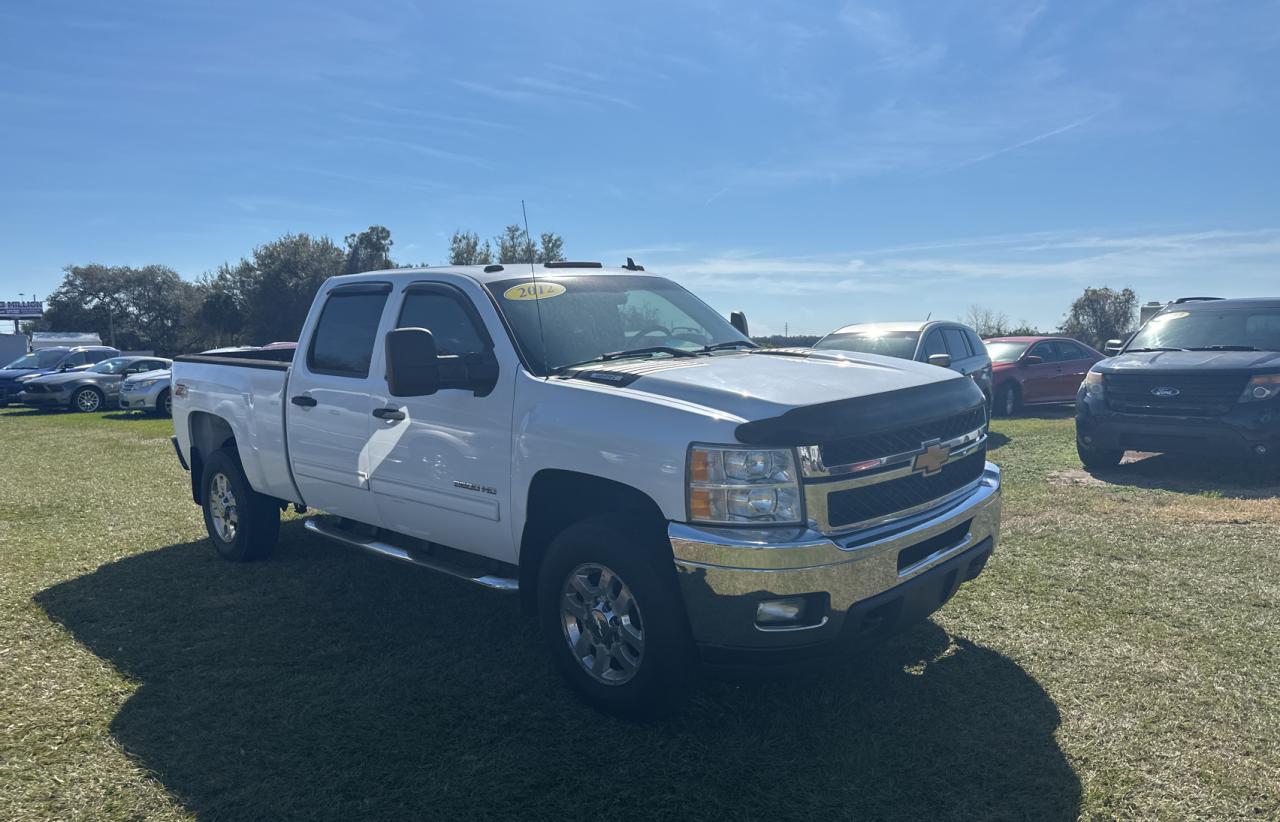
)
(1202, 376)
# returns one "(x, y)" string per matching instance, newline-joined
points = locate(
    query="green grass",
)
(1119, 658)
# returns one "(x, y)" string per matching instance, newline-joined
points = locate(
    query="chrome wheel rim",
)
(1008, 403)
(168, 405)
(88, 400)
(222, 508)
(602, 624)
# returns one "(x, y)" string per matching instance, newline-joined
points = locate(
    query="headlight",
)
(143, 384)
(1093, 383)
(1263, 387)
(730, 484)
(26, 377)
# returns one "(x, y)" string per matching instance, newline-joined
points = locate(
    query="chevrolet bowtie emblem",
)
(931, 459)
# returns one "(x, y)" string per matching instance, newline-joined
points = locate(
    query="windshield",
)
(48, 358)
(901, 344)
(114, 365)
(1210, 328)
(1006, 351)
(584, 317)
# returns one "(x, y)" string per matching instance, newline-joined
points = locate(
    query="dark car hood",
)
(14, 373)
(1169, 361)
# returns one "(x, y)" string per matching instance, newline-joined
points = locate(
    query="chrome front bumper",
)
(725, 573)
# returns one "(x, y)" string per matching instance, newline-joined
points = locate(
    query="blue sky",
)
(812, 163)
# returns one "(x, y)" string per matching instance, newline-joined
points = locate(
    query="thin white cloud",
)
(1030, 141)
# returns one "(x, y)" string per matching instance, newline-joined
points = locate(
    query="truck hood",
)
(755, 385)
(1151, 362)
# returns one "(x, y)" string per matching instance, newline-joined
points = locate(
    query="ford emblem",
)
(1165, 391)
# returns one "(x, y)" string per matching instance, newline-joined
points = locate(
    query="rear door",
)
(443, 472)
(330, 401)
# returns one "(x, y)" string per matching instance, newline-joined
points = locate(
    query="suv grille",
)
(881, 499)
(1197, 394)
(903, 440)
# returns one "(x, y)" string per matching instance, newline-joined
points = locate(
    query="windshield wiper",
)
(1153, 348)
(631, 352)
(1225, 348)
(730, 344)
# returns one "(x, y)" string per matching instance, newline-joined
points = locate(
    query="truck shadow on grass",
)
(324, 684)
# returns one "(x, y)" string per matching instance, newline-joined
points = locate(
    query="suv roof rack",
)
(571, 264)
(1182, 300)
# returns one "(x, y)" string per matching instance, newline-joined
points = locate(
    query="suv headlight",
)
(1093, 383)
(734, 484)
(1262, 387)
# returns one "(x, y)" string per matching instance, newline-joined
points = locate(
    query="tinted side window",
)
(957, 345)
(448, 319)
(975, 342)
(1070, 351)
(78, 358)
(933, 344)
(343, 340)
(1045, 351)
(99, 356)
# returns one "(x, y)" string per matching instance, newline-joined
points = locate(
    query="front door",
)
(443, 472)
(330, 402)
(1040, 380)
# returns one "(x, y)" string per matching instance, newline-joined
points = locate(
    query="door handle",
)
(304, 401)
(394, 414)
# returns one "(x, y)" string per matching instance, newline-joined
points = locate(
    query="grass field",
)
(1119, 658)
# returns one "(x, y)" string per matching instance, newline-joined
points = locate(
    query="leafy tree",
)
(515, 246)
(131, 308)
(370, 250)
(465, 248)
(280, 282)
(1100, 314)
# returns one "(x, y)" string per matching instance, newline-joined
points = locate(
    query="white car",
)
(651, 482)
(149, 392)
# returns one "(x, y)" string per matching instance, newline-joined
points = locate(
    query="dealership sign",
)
(21, 310)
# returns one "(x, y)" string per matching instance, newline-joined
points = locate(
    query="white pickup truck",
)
(656, 487)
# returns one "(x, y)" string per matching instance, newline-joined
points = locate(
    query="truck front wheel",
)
(610, 612)
(242, 523)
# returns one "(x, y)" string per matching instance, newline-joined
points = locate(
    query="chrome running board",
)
(386, 549)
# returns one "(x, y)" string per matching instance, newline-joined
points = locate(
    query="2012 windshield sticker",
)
(534, 291)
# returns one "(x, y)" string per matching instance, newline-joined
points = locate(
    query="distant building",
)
(52, 339)
(1149, 310)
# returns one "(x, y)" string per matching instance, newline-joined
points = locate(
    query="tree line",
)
(262, 298)
(1097, 315)
(265, 297)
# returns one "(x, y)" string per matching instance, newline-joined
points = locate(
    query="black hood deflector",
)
(873, 414)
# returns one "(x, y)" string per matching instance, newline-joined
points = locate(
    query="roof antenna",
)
(537, 294)
(926, 316)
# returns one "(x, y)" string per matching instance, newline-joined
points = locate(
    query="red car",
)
(1029, 370)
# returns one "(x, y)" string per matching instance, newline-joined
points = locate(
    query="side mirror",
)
(738, 320)
(1112, 347)
(940, 360)
(413, 370)
(1032, 359)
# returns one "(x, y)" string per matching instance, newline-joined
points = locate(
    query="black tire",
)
(163, 407)
(1008, 400)
(256, 518)
(640, 559)
(87, 400)
(1097, 459)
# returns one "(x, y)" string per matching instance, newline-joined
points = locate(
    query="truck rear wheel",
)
(242, 524)
(610, 612)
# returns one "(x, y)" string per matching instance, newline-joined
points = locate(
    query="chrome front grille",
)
(887, 487)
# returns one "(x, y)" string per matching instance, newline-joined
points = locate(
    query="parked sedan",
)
(88, 390)
(938, 342)
(58, 359)
(148, 391)
(1031, 370)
